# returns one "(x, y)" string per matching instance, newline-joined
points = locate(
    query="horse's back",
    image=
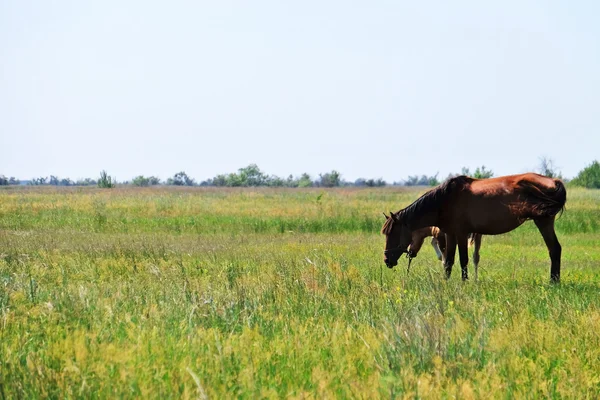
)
(510, 184)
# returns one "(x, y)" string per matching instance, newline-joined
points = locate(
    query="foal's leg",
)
(441, 238)
(463, 253)
(546, 227)
(450, 254)
(436, 246)
(477, 246)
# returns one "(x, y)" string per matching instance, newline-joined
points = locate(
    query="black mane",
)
(429, 201)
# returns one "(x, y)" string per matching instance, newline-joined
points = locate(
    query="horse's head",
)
(398, 237)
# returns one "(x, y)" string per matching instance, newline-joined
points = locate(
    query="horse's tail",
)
(544, 202)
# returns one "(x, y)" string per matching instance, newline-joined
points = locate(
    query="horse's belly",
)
(492, 221)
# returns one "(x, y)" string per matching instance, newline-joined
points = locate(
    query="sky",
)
(371, 89)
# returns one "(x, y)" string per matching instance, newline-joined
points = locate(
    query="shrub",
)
(106, 181)
(589, 177)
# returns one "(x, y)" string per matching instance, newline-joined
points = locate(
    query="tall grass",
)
(189, 293)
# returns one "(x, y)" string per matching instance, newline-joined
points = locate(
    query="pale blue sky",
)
(373, 89)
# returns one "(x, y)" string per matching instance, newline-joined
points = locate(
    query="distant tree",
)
(412, 181)
(424, 180)
(13, 181)
(140, 180)
(480, 173)
(433, 180)
(181, 179)
(252, 176)
(291, 181)
(330, 179)
(38, 181)
(219, 180)
(3, 180)
(86, 182)
(547, 168)
(369, 182)
(106, 181)
(360, 182)
(275, 181)
(305, 181)
(235, 180)
(483, 173)
(589, 177)
(53, 180)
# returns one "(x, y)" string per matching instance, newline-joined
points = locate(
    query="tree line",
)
(252, 176)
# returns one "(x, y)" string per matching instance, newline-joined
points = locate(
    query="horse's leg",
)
(546, 227)
(450, 254)
(463, 253)
(477, 246)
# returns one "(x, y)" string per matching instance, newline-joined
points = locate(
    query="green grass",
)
(186, 293)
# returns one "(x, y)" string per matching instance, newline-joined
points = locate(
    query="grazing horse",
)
(487, 206)
(438, 242)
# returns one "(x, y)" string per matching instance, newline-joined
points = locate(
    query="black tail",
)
(544, 202)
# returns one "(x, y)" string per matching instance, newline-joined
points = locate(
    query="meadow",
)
(267, 293)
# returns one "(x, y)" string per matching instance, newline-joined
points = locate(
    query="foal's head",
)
(397, 239)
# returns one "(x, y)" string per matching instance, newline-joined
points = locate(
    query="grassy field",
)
(205, 293)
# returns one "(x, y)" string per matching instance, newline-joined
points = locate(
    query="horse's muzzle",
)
(390, 263)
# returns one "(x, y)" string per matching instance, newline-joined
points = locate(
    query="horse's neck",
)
(424, 220)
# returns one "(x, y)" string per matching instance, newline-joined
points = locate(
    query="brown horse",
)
(487, 206)
(438, 242)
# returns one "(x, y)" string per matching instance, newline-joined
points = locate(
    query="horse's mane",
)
(430, 200)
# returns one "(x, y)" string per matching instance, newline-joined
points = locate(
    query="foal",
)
(438, 242)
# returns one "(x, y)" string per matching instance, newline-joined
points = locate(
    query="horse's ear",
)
(386, 217)
(392, 215)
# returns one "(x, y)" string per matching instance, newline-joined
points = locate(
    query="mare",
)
(462, 205)
(438, 242)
